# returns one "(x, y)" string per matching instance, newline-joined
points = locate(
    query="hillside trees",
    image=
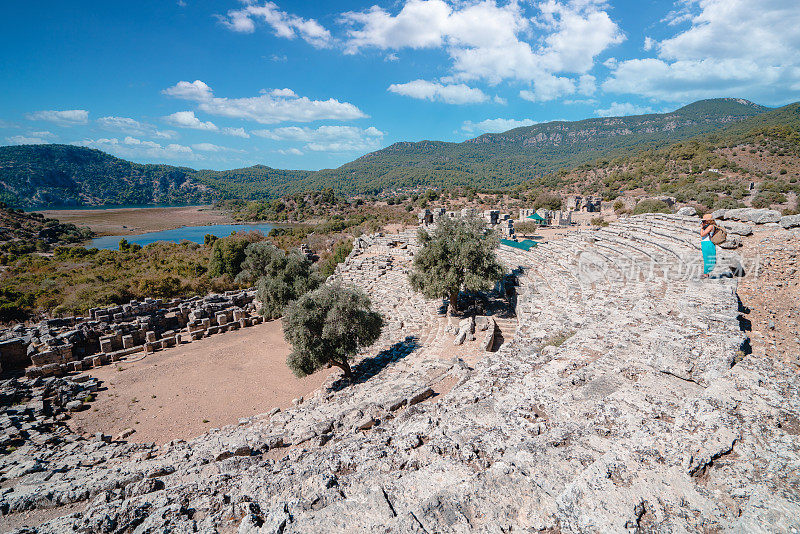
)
(328, 326)
(650, 205)
(279, 277)
(228, 253)
(458, 254)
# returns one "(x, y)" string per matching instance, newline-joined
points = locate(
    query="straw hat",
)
(708, 218)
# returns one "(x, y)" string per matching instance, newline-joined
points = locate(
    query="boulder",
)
(687, 211)
(758, 216)
(737, 228)
(74, 406)
(790, 221)
(719, 214)
(733, 241)
(419, 396)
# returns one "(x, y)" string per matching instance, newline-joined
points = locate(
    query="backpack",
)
(719, 236)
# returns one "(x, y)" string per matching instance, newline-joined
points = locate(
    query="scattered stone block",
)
(419, 396)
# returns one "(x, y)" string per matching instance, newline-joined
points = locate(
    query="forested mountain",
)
(46, 175)
(65, 175)
(512, 157)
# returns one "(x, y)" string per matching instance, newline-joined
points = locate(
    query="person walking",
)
(708, 248)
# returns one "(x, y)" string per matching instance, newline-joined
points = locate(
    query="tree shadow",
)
(371, 366)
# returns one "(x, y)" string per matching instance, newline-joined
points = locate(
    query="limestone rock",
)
(758, 216)
(737, 228)
(790, 221)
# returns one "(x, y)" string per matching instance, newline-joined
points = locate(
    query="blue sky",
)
(309, 85)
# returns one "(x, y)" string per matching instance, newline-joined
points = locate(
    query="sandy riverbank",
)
(181, 392)
(132, 221)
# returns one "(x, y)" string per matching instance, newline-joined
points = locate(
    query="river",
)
(195, 234)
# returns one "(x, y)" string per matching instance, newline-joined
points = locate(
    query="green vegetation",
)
(651, 206)
(340, 253)
(459, 253)
(279, 277)
(228, 253)
(23, 233)
(533, 156)
(75, 279)
(328, 326)
(66, 175)
(548, 201)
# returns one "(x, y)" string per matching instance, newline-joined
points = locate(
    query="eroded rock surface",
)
(623, 400)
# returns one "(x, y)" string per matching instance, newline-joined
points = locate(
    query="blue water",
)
(196, 234)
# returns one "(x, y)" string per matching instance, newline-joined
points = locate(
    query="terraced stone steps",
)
(621, 403)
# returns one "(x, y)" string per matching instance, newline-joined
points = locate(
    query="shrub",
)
(340, 253)
(281, 277)
(329, 326)
(125, 246)
(765, 199)
(619, 205)
(599, 221)
(526, 227)
(650, 205)
(549, 201)
(228, 253)
(459, 253)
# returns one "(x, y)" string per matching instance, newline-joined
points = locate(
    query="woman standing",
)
(708, 248)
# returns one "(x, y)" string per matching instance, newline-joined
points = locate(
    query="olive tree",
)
(459, 253)
(328, 326)
(279, 277)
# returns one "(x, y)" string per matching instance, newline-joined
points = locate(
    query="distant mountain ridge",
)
(45, 175)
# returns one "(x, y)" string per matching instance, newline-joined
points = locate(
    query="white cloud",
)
(268, 108)
(730, 48)
(236, 132)
(196, 90)
(283, 92)
(549, 88)
(132, 147)
(44, 134)
(436, 92)
(496, 125)
(209, 147)
(391, 57)
(290, 152)
(327, 138)
(492, 42)
(587, 85)
(621, 109)
(134, 127)
(67, 117)
(649, 43)
(283, 24)
(187, 119)
(25, 140)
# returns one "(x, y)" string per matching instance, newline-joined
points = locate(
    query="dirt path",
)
(181, 392)
(770, 293)
(122, 221)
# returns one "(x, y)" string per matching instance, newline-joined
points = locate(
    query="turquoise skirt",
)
(709, 255)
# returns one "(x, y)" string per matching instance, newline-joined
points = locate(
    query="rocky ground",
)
(771, 296)
(624, 398)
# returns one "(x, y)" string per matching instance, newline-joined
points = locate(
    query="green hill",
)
(52, 175)
(65, 175)
(513, 157)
